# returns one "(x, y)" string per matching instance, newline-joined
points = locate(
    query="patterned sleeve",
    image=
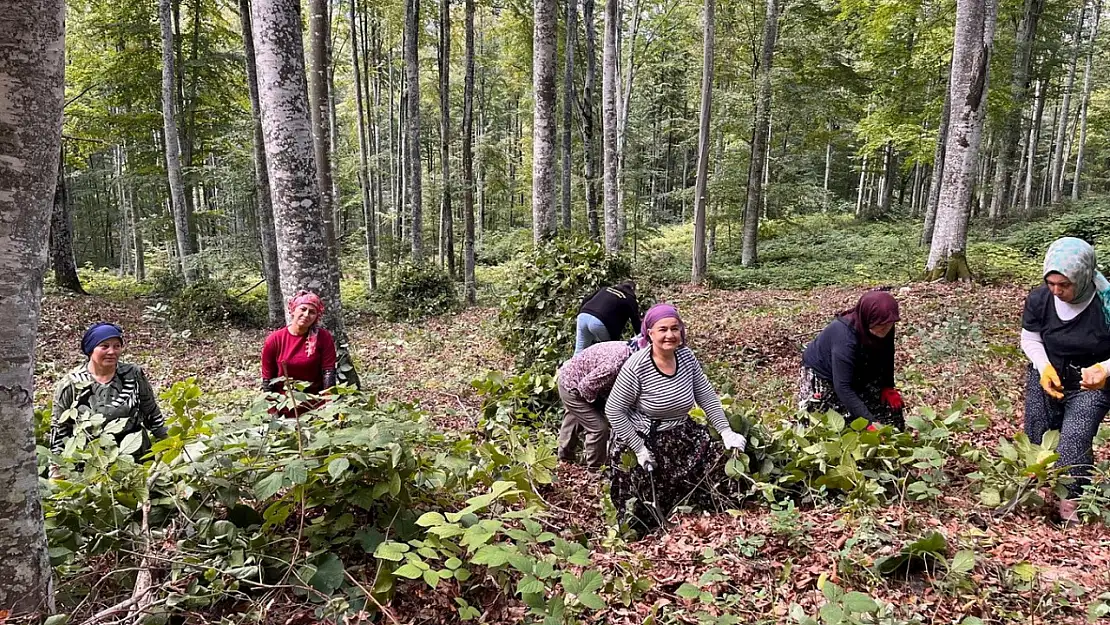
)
(599, 378)
(61, 428)
(153, 420)
(707, 398)
(622, 399)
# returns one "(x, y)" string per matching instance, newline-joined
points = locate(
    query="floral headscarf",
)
(1075, 260)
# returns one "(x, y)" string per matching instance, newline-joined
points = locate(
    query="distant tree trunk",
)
(890, 172)
(32, 66)
(413, 175)
(173, 148)
(543, 124)
(1034, 138)
(760, 127)
(468, 161)
(263, 205)
(446, 223)
(588, 109)
(61, 238)
(828, 170)
(570, 7)
(1010, 132)
(1059, 157)
(624, 98)
(287, 130)
(609, 125)
(970, 78)
(1080, 153)
(938, 171)
(368, 216)
(701, 191)
(319, 26)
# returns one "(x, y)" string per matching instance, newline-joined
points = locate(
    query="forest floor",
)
(956, 343)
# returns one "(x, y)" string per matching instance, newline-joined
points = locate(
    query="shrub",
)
(207, 304)
(418, 291)
(537, 317)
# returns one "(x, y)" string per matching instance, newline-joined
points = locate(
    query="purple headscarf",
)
(653, 316)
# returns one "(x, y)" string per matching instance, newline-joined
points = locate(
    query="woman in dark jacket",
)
(849, 367)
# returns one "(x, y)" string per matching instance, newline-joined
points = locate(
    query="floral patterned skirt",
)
(689, 471)
(816, 394)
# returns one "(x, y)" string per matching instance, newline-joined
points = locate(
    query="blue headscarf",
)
(97, 334)
(1075, 260)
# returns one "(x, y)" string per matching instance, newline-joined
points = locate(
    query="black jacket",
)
(837, 355)
(614, 306)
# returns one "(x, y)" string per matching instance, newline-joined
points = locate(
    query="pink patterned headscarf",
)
(655, 314)
(306, 297)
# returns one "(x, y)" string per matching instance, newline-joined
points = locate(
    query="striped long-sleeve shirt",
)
(642, 393)
(128, 395)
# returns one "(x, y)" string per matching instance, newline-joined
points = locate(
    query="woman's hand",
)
(1094, 378)
(732, 440)
(646, 459)
(1050, 382)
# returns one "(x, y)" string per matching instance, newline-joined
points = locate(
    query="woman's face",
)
(106, 354)
(304, 316)
(1060, 286)
(666, 334)
(882, 329)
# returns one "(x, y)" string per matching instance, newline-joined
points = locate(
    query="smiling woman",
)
(300, 351)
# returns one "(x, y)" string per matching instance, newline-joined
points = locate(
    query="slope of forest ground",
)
(960, 370)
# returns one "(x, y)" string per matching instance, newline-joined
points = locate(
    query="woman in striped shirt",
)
(677, 460)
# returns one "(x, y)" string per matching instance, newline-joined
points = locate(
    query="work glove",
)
(646, 460)
(891, 398)
(732, 440)
(1094, 377)
(1051, 383)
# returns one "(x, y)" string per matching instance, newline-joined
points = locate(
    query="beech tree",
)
(701, 192)
(543, 120)
(172, 145)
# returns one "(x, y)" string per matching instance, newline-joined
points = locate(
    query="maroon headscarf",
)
(873, 309)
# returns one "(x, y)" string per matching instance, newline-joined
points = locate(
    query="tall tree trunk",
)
(446, 221)
(287, 132)
(1010, 133)
(263, 204)
(890, 172)
(319, 26)
(970, 78)
(609, 125)
(413, 174)
(588, 110)
(701, 187)
(173, 148)
(938, 171)
(368, 216)
(760, 128)
(624, 95)
(61, 237)
(828, 170)
(469, 280)
(1084, 102)
(1033, 140)
(125, 265)
(570, 7)
(32, 67)
(1059, 157)
(543, 119)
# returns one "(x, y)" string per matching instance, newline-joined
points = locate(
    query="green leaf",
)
(431, 578)
(428, 519)
(337, 467)
(491, 555)
(296, 471)
(131, 443)
(688, 591)
(591, 600)
(57, 619)
(832, 613)
(590, 581)
(529, 584)
(268, 486)
(1025, 571)
(391, 550)
(990, 497)
(408, 570)
(859, 603)
(329, 574)
(962, 562)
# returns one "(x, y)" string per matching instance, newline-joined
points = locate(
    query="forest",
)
(180, 180)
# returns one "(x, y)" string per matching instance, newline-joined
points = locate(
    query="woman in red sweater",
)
(301, 350)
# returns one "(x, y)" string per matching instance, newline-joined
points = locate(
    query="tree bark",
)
(263, 204)
(1010, 132)
(446, 221)
(570, 8)
(1084, 102)
(588, 110)
(1033, 140)
(609, 125)
(701, 187)
(287, 131)
(760, 125)
(32, 74)
(368, 216)
(1059, 157)
(970, 78)
(543, 119)
(61, 237)
(413, 174)
(471, 284)
(172, 146)
(938, 171)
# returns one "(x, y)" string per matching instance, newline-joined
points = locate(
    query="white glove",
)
(732, 440)
(646, 460)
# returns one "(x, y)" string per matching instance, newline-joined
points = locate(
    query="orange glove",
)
(1051, 383)
(1094, 377)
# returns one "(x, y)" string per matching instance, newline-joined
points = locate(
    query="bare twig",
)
(371, 597)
